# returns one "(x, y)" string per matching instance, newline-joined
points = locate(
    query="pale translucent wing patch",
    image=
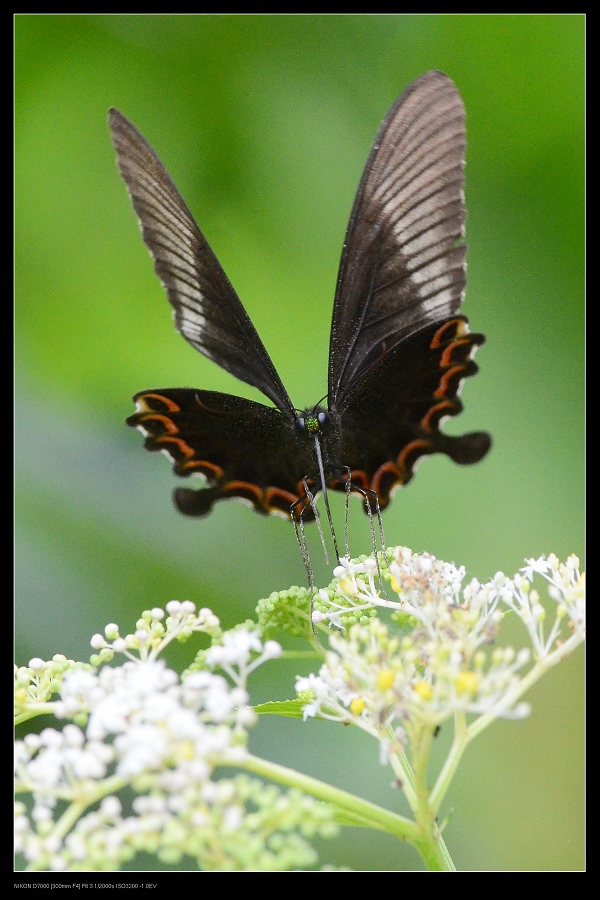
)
(206, 309)
(403, 262)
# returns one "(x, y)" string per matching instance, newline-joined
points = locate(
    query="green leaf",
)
(291, 708)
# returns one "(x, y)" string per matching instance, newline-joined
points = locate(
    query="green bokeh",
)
(265, 123)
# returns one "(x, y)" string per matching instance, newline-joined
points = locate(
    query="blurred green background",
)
(265, 123)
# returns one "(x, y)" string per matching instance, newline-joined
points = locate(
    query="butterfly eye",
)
(301, 423)
(323, 419)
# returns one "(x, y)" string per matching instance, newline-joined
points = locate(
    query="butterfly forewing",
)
(403, 261)
(206, 309)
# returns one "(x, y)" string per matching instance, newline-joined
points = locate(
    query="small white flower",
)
(272, 650)
(111, 807)
(232, 818)
(540, 565)
(41, 813)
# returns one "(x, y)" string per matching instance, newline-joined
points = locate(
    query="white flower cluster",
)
(140, 726)
(152, 635)
(234, 655)
(441, 661)
(146, 730)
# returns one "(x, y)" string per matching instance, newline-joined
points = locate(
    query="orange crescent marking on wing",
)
(446, 359)
(169, 424)
(185, 448)
(414, 445)
(170, 404)
(356, 475)
(254, 489)
(436, 340)
(203, 464)
(360, 475)
(279, 492)
(384, 470)
(426, 420)
(445, 379)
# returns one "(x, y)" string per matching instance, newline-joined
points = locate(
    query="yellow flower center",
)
(467, 683)
(385, 679)
(424, 690)
(357, 705)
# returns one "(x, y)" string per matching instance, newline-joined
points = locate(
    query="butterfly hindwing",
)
(241, 448)
(392, 414)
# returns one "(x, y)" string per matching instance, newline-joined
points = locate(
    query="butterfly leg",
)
(371, 500)
(348, 490)
(306, 502)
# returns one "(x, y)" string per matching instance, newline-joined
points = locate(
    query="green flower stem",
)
(422, 751)
(428, 843)
(33, 710)
(459, 744)
(405, 775)
(432, 848)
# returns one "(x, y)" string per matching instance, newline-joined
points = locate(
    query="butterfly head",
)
(313, 421)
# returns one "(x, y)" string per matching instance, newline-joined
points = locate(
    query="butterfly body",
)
(399, 346)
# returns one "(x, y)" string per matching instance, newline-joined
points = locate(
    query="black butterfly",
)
(399, 349)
